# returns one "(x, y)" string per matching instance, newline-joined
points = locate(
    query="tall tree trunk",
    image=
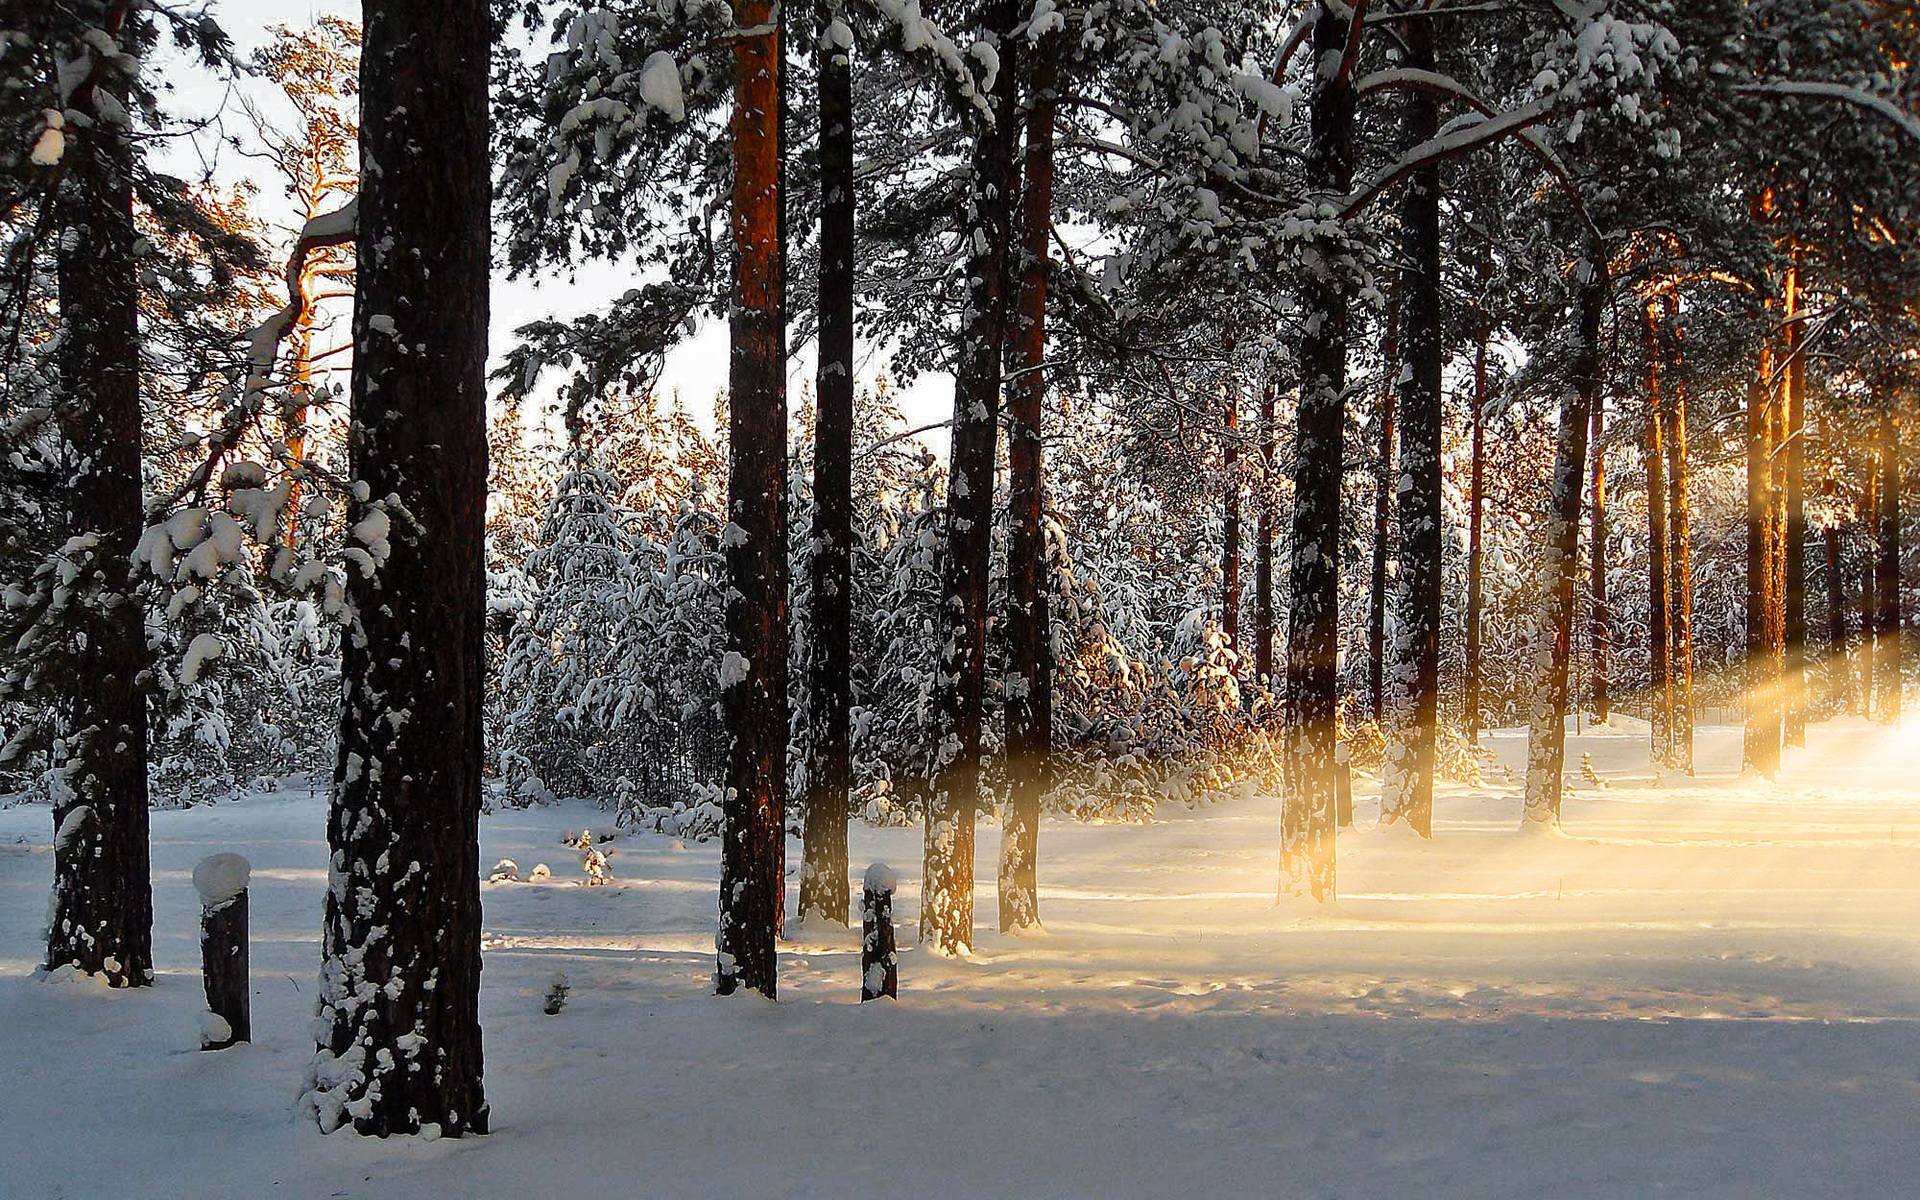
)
(1313, 625)
(1887, 619)
(1660, 672)
(824, 892)
(1794, 569)
(753, 672)
(1476, 505)
(1230, 523)
(1839, 672)
(1869, 574)
(399, 1022)
(1559, 566)
(101, 916)
(1029, 712)
(1383, 496)
(946, 910)
(1761, 744)
(1263, 547)
(1679, 554)
(1600, 622)
(1408, 792)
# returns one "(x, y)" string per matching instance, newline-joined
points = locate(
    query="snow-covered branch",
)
(1908, 122)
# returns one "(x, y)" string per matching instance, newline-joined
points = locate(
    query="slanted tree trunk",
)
(1559, 566)
(1408, 792)
(1761, 743)
(1263, 547)
(824, 892)
(1794, 568)
(1476, 505)
(100, 920)
(753, 671)
(1230, 522)
(1029, 710)
(1660, 674)
(1599, 623)
(1679, 559)
(399, 1022)
(1313, 625)
(946, 908)
(1383, 494)
(1887, 622)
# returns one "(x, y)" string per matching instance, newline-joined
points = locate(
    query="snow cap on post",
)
(881, 878)
(220, 877)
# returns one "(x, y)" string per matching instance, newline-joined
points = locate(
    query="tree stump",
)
(879, 965)
(222, 882)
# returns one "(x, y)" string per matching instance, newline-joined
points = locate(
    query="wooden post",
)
(879, 965)
(222, 882)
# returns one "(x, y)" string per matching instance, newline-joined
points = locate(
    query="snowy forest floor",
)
(1708, 989)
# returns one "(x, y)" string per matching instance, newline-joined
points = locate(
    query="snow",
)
(1704, 990)
(220, 877)
(52, 142)
(881, 878)
(660, 86)
(203, 649)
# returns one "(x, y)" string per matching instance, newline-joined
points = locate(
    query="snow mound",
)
(220, 877)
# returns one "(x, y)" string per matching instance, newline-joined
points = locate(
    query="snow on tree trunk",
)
(101, 916)
(1029, 709)
(1660, 671)
(1313, 626)
(1794, 569)
(398, 1022)
(1760, 747)
(824, 893)
(1559, 563)
(753, 669)
(946, 906)
(1679, 563)
(1407, 790)
(1887, 620)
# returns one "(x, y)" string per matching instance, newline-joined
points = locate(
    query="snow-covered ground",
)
(1709, 989)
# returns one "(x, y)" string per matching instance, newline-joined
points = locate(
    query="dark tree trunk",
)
(1029, 712)
(1761, 744)
(1660, 673)
(1230, 522)
(1409, 792)
(1887, 622)
(753, 695)
(946, 908)
(1313, 626)
(1559, 568)
(224, 972)
(1476, 554)
(1794, 569)
(399, 1022)
(1600, 621)
(1679, 559)
(1869, 573)
(1383, 494)
(1263, 548)
(101, 916)
(824, 893)
(1839, 672)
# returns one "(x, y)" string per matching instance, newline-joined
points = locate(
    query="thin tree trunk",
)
(1794, 569)
(1679, 556)
(1600, 623)
(824, 891)
(1887, 657)
(946, 909)
(100, 920)
(399, 1022)
(1761, 744)
(1263, 547)
(1869, 574)
(1559, 567)
(1230, 524)
(1839, 671)
(1383, 496)
(1029, 710)
(1660, 673)
(1408, 792)
(1313, 626)
(753, 695)
(1476, 505)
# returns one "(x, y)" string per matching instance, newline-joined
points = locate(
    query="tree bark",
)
(1679, 555)
(1408, 793)
(1476, 505)
(1383, 497)
(100, 920)
(824, 891)
(1887, 620)
(1230, 522)
(753, 695)
(1600, 623)
(946, 909)
(1839, 671)
(1869, 574)
(1263, 547)
(1794, 569)
(1029, 712)
(1660, 673)
(399, 1025)
(1761, 743)
(1313, 626)
(1559, 567)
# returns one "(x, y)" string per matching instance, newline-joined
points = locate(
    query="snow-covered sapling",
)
(221, 880)
(557, 990)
